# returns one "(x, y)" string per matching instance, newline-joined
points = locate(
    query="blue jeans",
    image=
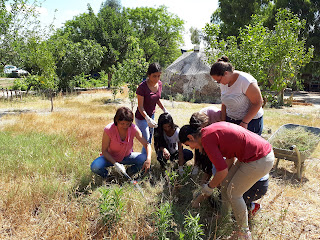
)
(147, 132)
(135, 159)
(255, 125)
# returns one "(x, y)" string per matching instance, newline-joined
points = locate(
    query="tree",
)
(110, 28)
(195, 35)
(235, 14)
(159, 33)
(131, 71)
(14, 16)
(273, 56)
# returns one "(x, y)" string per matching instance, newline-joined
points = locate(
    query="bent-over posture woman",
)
(255, 159)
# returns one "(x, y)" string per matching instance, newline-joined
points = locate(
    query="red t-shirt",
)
(150, 99)
(224, 139)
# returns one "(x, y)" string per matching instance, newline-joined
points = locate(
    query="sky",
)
(194, 13)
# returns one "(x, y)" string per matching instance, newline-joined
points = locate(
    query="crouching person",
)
(167, 144)
(117, 147)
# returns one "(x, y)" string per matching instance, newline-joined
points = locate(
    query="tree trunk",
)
(280, 97)
(109, 80)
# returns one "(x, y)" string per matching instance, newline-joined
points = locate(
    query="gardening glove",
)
(151, 123)
(195, 170)
(120, 168)
(181, 171)
(206, 190)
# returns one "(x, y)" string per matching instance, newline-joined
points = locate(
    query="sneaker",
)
(254, 210)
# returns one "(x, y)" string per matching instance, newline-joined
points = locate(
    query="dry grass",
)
(63, 203)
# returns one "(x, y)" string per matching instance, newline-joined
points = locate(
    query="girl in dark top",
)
(148, 95)
(167, 144)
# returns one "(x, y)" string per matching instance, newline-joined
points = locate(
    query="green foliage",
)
(159, 33)
(273, 57)
(195, 35)
(163, 220)
(192, 228)
(131, 71)
(111, 205)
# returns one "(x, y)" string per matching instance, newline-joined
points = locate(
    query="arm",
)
(140, 106)
(181, 159)
(105, 146)
(159, 103)
(223, 112)
(255, 97)
(143, 141)
(218, 178)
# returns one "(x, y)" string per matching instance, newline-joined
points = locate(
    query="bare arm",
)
(147, 146)
(181, 158)
(140, 106)
(223, 116)
(218, 178)
(105, 146)
(256, 100)
(159, 103)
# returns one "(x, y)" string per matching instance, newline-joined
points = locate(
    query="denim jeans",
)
(147, 132)
(135, 159)
(255, 125)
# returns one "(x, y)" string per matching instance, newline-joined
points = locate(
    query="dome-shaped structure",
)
(190, 76)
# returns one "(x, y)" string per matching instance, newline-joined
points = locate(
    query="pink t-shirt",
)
(119, 149)
(224, 139)
(213, 113)
(150, 98)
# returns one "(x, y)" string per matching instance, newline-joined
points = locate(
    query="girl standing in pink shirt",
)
(117, 144)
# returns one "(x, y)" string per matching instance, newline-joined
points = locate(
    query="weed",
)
(164, 220)
(111, 205)
(192, 229)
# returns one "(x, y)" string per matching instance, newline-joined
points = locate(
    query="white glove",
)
(195, 170)
(181, 171)
(120, 168)
(206, 190)
(151, 123)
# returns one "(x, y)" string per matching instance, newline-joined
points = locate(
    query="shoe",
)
(255, 210)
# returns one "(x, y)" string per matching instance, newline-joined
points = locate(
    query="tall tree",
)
(195, 35)
(159, 33)
(273, 56)
(14, 16)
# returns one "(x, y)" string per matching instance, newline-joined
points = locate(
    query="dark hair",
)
(199, 119)
(188, 130)
(221, 66)
(153, 68)
(159, 140)
(123, 114)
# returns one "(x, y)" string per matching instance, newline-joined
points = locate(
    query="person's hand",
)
(120, 168)
(195, 170)
(181, 171)
(166, 154)
(244, 125)
(165, 110)
(206, 190)
(151, 123)
(146, 165)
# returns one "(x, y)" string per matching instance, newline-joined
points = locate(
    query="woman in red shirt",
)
(223, 140)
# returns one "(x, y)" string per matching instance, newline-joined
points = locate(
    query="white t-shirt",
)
(234, 98)
(172, 141)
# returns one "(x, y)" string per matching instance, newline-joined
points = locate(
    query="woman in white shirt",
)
(240, 96)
